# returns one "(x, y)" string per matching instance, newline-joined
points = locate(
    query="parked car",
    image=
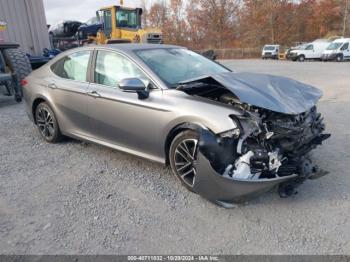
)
(270, 51)
(227, 136)
(90, 28)
(295, 47)
(64, 29)
(338, 50)
(309, 51)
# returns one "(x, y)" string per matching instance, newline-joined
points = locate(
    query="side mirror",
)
(134, 85)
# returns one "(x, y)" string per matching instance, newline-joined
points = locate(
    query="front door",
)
(346, 51)
(310, 52)
(118, 117)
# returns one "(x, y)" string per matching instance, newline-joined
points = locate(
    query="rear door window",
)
(73, 66)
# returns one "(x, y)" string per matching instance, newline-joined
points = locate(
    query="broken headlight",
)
(233, 133)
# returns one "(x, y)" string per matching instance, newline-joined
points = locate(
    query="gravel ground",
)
(81, 198)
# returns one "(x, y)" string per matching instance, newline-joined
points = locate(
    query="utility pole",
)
(346, 12)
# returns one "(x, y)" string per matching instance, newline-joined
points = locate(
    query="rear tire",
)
(183, 157)
(47, 123)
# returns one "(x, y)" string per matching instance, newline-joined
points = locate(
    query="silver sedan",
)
(227, 136)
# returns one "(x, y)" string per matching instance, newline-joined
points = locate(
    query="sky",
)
(81, 10)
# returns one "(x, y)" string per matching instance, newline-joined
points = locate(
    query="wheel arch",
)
(175, 131)
(38, 100)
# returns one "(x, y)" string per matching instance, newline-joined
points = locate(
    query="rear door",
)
(68, 88)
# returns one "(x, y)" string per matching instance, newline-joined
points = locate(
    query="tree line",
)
(201, 24)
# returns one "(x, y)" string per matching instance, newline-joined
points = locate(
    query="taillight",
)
(24, 82)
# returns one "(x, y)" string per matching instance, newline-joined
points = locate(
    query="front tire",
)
(47, 123)
(183, 157)
(301, 58)
(339, 58)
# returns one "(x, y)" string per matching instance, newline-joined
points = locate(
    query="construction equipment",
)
(14, 67)
(123, 25)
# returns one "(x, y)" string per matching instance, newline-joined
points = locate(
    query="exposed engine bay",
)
(267, 146)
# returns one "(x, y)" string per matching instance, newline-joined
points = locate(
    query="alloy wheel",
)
(45, 123)
(185, 159)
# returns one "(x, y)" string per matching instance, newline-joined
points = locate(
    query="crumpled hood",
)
(279, 94)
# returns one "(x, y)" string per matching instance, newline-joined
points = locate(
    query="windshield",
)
(175, 65)
(334, 46)
(128, 18)
(303, 47)
(269, 47)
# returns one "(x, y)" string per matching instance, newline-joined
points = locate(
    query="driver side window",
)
(309, 47)
(111, 68)
(345, 47)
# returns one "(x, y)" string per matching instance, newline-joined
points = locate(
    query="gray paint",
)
(79, 113)
(122, 121)
(26, 24)
(225, 191)
(275, 93)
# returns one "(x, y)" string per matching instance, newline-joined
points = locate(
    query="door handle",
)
(93, 94)
(52, 86)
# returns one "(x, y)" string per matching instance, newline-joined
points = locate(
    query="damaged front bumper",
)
(225, 177)
(225, 191)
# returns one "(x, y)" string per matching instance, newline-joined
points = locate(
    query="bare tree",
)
(346, 13)
(158, 14)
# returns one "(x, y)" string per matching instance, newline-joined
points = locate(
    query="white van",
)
(338, 50)
(270, 51)
(312, 50)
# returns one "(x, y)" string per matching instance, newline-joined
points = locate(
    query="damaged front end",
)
(266, 150)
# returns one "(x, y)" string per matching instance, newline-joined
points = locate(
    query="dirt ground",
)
(81, 198)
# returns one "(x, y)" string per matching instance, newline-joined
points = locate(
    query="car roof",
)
(341, 40)
(133, 47)
(125, 48)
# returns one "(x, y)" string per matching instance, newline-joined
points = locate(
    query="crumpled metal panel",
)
(276, 93)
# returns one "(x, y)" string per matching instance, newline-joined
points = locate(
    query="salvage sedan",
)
(227, 136)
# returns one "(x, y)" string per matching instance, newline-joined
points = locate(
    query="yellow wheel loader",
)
(123, 25)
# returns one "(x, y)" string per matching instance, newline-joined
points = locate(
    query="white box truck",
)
(309, 51)
(338, 50)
